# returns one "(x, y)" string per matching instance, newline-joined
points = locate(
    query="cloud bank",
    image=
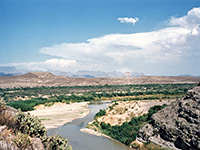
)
(50, 64)
(171, 50)
(128, 20)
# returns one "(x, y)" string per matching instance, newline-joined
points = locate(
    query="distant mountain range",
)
(9, 71)
(38, 79)
(12, 71)
(98, 74)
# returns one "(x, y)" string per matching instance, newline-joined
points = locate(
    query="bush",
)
(22, 141)
(154, 109)
(2, 105)
(30, 125)
(25, 126)
(102, 112)
(27, 105)
(58, 143)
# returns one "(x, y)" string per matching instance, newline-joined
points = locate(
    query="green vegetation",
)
(127, 132)
(32, 126)
(27, 124)
(95, 91)
(27, 98)
(27, 105)
(58, 143)
(113, 105)
(2, 105)
(102, 112)
(22, 141)
(24, 126)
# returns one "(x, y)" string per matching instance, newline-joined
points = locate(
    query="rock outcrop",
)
(7, 136)
(176, 126)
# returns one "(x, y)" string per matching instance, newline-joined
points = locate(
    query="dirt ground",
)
(125, 110)
(60, 113)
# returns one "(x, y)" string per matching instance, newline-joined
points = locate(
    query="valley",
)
(127, 108)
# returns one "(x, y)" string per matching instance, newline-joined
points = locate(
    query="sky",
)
(156, 37)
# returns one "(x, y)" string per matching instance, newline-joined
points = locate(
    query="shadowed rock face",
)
(177, 125)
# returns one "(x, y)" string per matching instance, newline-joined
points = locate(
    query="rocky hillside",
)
(178, 125)
(38, 79)
(21, 131)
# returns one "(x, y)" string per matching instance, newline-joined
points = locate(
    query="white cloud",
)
(128, 20)
(155, 52)
(137, 51)
(190, 21)
(157, 46)
(50, 64)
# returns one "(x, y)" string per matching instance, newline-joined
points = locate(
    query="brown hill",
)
(37, 79)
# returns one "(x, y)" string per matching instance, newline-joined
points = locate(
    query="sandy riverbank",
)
(60, 113)
(91, 131)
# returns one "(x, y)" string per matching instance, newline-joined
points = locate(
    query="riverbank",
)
(93, 132)
(60, 113)
(96, 133)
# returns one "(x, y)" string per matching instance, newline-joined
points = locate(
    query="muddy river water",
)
(84, 141)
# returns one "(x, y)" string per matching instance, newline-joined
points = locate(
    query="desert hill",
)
(38, 79)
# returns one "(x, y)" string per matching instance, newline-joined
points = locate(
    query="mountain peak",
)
(39, 74)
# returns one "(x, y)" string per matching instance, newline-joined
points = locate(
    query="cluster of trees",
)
(97, 91)
(127, 132)
(102, 112)
(91, 93)
(28, 105)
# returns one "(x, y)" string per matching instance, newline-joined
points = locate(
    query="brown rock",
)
(37, 144)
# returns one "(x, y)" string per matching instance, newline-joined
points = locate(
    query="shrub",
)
(25, 126)
(102, 112)
(58, 143)
(2, 105)
(30, 125)
(22, 141)
(154, 109)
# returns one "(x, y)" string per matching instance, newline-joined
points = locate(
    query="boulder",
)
(37, 144)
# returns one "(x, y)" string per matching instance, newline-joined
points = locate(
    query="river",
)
(84, 141)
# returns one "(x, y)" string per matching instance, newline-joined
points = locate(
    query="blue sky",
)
(72, 35)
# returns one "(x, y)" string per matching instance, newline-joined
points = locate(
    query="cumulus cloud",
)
(169, 45)
(121, 50)
(155, 52)
(128, 20)
(50, 64)
(190, 21)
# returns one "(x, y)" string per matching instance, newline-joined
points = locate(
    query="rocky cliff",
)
(176, 126)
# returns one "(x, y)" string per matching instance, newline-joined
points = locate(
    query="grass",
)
(43, 119)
